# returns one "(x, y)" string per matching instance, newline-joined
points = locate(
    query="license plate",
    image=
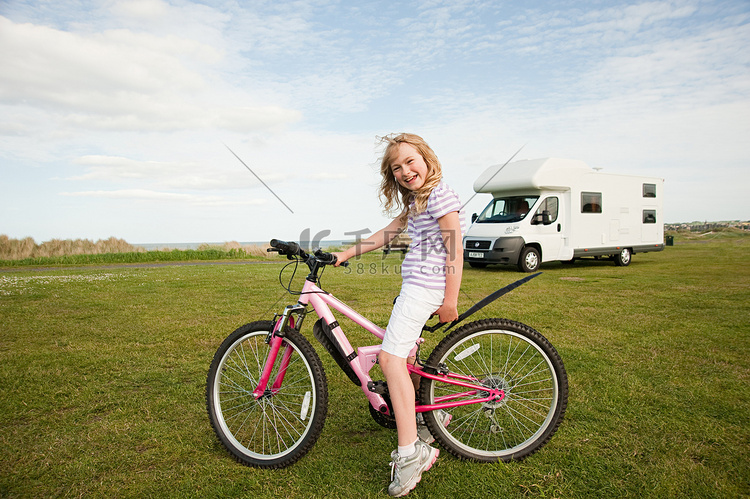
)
(473, 254)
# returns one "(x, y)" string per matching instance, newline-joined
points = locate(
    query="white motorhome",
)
(551, 209)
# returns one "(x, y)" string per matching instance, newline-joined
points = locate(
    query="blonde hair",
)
(397, 198)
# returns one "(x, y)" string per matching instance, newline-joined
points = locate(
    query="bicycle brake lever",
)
(328, 258)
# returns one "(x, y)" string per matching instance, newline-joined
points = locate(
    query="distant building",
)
(707, 226)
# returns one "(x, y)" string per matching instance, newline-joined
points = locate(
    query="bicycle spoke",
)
(499, 359)
(271, 427)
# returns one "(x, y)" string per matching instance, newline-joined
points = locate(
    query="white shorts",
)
(413, 307)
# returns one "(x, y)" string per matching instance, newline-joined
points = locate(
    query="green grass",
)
(135, 257)
(102, 378)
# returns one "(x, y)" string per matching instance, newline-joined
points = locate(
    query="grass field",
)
(102, 379)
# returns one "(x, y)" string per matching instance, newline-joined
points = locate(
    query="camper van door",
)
(547, 225)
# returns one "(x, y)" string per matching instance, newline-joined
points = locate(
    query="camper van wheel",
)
(622, 259)
(530, 259)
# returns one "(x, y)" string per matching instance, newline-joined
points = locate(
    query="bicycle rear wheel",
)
(498, 353)
(281, 426)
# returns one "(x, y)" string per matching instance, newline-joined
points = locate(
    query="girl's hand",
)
(340, 258)
(448, 312)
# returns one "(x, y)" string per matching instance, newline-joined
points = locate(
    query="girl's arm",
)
(450, 226)
(375, 241)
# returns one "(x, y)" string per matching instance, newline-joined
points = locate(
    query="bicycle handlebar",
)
(287, 248)
(293, 249)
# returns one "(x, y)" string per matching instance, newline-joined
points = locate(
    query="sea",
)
(195, 246)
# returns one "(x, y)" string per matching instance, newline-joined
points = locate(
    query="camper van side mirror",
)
(474, 217)
(541, 218)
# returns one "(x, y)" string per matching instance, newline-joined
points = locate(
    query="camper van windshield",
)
(506, 210)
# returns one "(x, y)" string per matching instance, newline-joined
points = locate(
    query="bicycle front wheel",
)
(281, 426)
(497, 354)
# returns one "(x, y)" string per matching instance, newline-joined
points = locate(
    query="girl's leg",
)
(413, 307)
(415, 378)
(401, 391)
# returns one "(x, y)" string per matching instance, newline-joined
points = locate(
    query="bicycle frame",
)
(363, 359)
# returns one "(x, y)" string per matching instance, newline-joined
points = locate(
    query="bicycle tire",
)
(275, 430)
(500, 354)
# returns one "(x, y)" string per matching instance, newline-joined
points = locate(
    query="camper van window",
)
(649, 190)
(547, 211)
(591, 202)
(649, 216)
(507, 210)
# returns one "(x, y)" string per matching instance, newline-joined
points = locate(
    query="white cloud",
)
(322, 176)
(131, 194)
(171, 197)
(122, 80)
(171, 175)
(141, 9)
(56, 66)
(700, 69)
(629, 19)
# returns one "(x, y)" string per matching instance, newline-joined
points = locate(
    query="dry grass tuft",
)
(18, 249)
(249, 249)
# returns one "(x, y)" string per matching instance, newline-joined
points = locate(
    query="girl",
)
(431, 278)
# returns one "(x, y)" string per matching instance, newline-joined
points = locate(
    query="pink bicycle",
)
(501, 382)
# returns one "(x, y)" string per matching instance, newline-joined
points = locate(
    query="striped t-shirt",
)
(424, 264)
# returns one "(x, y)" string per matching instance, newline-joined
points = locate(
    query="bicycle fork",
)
(275, 340)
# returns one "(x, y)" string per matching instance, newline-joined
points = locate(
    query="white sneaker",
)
(406, 472)
(424, 433)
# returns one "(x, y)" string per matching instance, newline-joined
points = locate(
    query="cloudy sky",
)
(117, 116)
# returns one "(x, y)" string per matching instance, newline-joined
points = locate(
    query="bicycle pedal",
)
(379, 387)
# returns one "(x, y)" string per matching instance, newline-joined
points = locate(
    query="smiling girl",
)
(431, 277)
